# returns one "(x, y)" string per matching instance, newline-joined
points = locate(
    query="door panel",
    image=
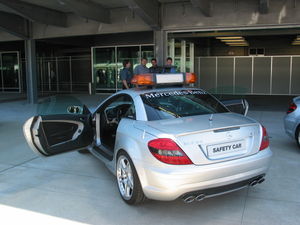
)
(54, 134)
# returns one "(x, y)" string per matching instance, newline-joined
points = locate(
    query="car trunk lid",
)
(213, 138)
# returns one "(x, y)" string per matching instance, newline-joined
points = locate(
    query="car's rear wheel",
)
(297, 136)
(128, 182)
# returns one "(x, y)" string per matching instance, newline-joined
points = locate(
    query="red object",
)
(265, 140)
(190, 78)
(167, 151)
(143, 79)
(292, 108)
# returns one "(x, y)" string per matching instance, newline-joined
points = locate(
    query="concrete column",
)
(161, 46)
(31, 73)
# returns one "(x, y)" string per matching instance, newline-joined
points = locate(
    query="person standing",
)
(154, 68)
(169, 68)
(142, 68)
(126, 75)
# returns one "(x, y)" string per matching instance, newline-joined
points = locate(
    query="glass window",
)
(180, 103)
(108, 62)
(148, 53)
(127, 53)
(105, 68)
(120, 107)
(10, 72)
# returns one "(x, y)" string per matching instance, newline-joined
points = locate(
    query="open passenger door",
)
(240, 106)
(54, 134)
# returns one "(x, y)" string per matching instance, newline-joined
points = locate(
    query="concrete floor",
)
(77, 189)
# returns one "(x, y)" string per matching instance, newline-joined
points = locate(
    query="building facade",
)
(235, 46)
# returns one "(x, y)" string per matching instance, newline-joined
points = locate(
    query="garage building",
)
(249, 47)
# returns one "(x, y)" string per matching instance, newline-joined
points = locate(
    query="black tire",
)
(83, 151)
(137, 194)
(297, 136)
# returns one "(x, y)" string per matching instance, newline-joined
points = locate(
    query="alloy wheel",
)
(125, 177)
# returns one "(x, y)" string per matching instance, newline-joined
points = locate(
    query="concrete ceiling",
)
(55, 12)
(109, 4)
(16, 15)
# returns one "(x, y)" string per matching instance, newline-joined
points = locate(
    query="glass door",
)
(108, 62)
(104, 68)
(10, 74)
(147, 52)
(48, 78)
(182, 53)
(132, 54)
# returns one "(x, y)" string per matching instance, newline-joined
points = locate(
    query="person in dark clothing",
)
(126, 75)
(155, 68)
(169, 68)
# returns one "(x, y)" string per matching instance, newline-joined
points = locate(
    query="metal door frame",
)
(19, 72)
(115, 62)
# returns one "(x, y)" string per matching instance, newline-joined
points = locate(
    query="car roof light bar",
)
(151, 79)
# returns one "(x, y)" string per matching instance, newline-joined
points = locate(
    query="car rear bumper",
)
(176, 181)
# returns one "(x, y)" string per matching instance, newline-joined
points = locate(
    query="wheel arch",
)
(136, 163)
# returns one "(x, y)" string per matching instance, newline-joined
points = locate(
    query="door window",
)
(110, 115)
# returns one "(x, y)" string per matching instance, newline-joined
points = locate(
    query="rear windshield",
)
(180, 103)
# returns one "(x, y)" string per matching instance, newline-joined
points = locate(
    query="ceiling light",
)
(233, 37)
(235, 41)
(296, 41)
(242, 44)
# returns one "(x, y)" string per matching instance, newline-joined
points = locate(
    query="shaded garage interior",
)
(266, 66)
(74, 49)
(79, 46)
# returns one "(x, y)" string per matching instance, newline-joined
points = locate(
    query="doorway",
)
(10, 72)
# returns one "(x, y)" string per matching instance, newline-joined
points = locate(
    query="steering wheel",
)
(121, 111)
(110, 116)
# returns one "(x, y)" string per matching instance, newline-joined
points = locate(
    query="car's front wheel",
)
(128, 182)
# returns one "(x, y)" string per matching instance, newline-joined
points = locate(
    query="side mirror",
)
(74, 109)
(240, 106)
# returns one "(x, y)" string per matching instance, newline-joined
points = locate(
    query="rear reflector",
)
(167, 151)
(265, 140)
(292, 108)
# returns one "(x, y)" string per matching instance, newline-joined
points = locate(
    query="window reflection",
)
(108, 62)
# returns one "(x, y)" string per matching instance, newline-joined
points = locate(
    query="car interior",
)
(109, 117)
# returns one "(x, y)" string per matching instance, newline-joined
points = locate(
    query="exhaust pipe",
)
(189, 199)
(257, 181)
(200, 197)
(261, 180)
(253, 183)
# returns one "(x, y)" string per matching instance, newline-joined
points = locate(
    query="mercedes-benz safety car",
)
(161, 143)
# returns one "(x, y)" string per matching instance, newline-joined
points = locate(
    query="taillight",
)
(292, 108)
(265, 140)
(167, 151)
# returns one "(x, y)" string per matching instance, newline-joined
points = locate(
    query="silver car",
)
(292, 120)
(162, 144)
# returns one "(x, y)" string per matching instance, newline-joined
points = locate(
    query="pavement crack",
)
(242, 220)
(20, 164)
